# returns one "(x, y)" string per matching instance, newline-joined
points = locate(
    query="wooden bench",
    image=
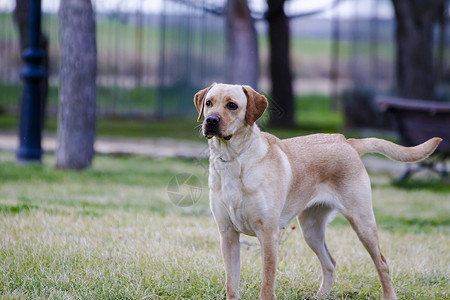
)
(417, 121)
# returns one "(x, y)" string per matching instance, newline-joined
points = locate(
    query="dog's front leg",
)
(269, 253)
(229, 240)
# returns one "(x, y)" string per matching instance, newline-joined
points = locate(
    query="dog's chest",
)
(228, 198)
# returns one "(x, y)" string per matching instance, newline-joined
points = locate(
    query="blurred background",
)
(153, 55)
(122, 75)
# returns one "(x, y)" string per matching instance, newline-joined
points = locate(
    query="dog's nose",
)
(212, 120)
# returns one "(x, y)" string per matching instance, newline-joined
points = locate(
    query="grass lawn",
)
(111, 232)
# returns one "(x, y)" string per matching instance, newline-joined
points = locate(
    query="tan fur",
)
(258, 183)
(393, 151)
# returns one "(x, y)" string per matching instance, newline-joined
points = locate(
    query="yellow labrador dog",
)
(258, 183)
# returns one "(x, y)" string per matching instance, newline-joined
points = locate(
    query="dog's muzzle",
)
(211, 127)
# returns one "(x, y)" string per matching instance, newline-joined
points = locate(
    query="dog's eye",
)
(208, 103)
(232, 106)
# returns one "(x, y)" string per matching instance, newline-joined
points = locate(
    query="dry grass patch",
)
(111, 233)
(148, 256)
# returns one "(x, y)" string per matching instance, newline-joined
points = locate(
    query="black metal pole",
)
(30, 149)
(334, 71)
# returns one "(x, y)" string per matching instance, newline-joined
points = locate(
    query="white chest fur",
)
(233, 189)
(228, 203)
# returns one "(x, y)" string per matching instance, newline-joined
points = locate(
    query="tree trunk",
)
(21, 17)
(77, 90)
(282, 104)
(414, 33)
(242, 45)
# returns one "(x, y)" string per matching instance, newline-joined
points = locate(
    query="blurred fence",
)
(154, 55)
(150, 64)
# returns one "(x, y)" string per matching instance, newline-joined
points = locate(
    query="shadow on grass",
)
(439, 185)
(416, 225)
(16, 209)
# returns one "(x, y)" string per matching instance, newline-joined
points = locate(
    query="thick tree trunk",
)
(414, 69)
(77, 90)
(21, 17)
(242, 45)
(282, 104)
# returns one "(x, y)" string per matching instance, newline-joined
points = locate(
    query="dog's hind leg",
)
(359, 213)
(313, 222)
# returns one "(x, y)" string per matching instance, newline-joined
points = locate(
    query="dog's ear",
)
(256, 105)
(199, 100)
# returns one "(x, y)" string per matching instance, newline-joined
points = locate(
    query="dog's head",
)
(228, 108)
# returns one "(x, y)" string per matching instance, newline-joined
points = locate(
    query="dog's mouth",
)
(213, 130)
(210, 135)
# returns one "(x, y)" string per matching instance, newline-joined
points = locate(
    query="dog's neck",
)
(227, 151)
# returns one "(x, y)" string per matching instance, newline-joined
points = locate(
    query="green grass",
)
(109, 100)
(57, 190)
(123, 127)
(111, 232)
(313, 114)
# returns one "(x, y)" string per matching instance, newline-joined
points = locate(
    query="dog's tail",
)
(394, 151)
